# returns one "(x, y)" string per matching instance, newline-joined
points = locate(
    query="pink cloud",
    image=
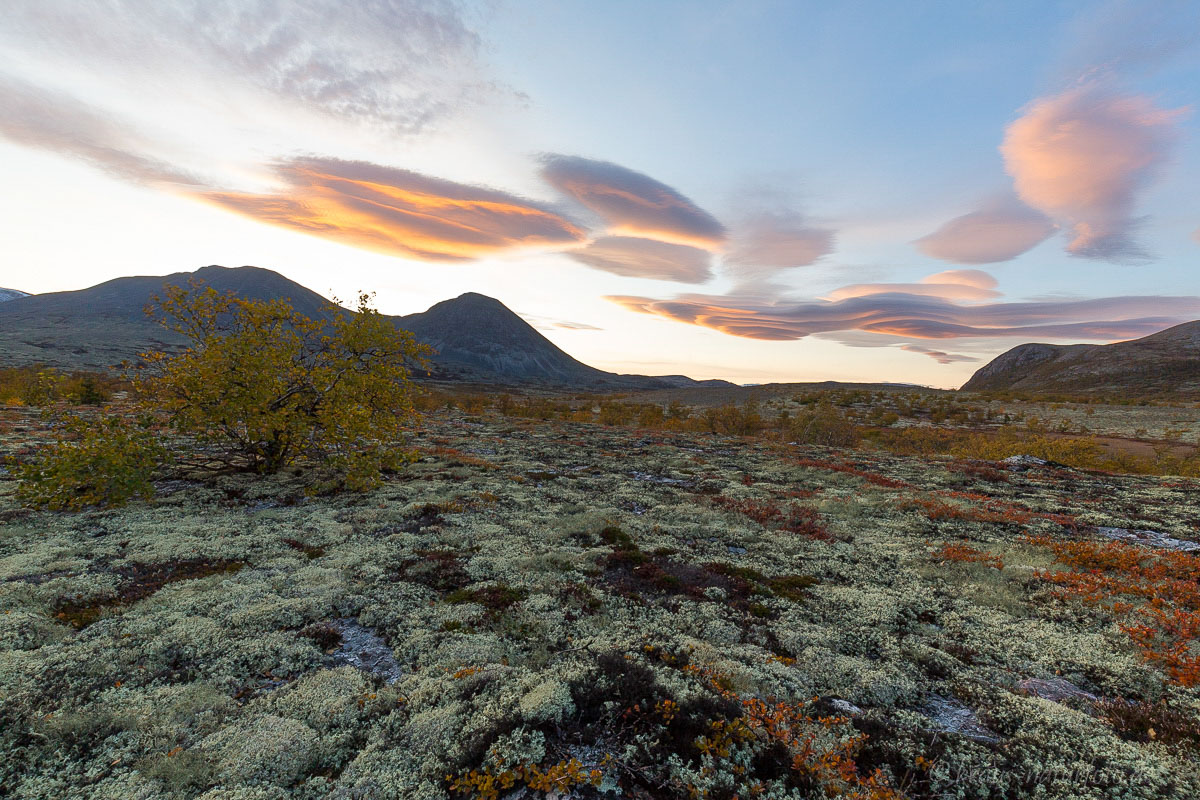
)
(954, 284)
(633, 204)
(1082, 156)
(646, 258)
(917, 316)
(773, 235)
(1000, 231)
(939, 356)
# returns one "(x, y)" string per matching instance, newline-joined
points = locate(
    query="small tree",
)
(269, 385)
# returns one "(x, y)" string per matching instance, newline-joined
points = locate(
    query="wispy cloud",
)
(400, 212)
(398, 64)
(908, 314)
(770, 233)
(1082, 156)
(939, 356)
(49, 120)
(646, 258)
(1000, 230)
(632, 204)
(543, 323)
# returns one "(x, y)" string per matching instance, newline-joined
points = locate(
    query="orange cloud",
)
(954, 284)
(646, 258)
(1081, 157)
(1000, 231)
(401, 213)
(633, 204)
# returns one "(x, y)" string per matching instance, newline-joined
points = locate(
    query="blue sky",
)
(748, 190)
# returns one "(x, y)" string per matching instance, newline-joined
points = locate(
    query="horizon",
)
(759, 192)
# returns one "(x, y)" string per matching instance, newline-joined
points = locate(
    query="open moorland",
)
(596, 598)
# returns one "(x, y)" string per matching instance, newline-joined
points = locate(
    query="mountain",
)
(1166, 362)
(11, 294)
(101, 326)
(477, 338)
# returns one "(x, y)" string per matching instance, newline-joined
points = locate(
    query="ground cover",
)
(606, 611)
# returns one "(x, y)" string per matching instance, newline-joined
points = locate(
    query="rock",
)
(1055, 689)
(1148, 539)
(845, 707)
(1023, 463)
(659, 479)
(736, 550)
(951, 716)
(364, 649)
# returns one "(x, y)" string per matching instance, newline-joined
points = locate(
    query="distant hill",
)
(11, 294)
(1167, 362)
(478, 338)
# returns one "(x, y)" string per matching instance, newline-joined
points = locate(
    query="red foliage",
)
(851, 469)
(796, 518)
(968, 555)
(1159, 592)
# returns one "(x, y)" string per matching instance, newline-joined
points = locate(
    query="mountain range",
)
(477, 339)
(1167, 362)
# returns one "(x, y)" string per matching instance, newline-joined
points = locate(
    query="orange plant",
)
(487, 783)
(968, 555)
(1159, 592)
(817, 749)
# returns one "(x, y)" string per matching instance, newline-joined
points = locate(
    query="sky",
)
(749, 190)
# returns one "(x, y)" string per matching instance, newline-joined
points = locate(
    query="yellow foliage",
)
(272, 385)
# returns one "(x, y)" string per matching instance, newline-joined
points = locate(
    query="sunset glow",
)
(827, 188)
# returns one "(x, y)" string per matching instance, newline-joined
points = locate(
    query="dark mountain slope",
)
(478, 338)
(1164, 362)
(102, 325)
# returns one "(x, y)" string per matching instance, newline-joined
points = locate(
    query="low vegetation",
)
(804, 597)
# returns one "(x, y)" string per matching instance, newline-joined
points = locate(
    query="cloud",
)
(633, 204)
(398, 64)
(1082, 156)
(772, 234)
(918, 316)
(550, 323)
(999, 231)
(954, 284)
(401, 213)
(937, 355)
(59, 123)
(646, 258)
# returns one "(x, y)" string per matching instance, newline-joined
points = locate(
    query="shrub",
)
(39, 386)
(271, 385)
(824, 425)
(95, 461)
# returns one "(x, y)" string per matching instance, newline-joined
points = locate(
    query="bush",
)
(269, 385)
(824, 425)
(96, 461)
(40, 386)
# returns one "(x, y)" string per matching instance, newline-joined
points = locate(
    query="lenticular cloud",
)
(1081, 157)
